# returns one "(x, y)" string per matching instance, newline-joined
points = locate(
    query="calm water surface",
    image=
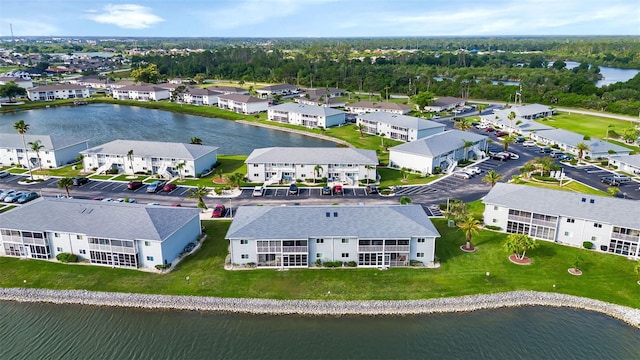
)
(38, 331)
(101, 123)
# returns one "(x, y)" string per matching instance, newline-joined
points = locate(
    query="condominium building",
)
(58, 92)
(310, 116)
(56, 150)
(398, 127)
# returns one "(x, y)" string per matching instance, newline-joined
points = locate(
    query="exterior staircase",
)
(104, 167)
(162, 171)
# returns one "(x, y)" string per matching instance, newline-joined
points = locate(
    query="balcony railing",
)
(269, 249)
(398, 248)
(370, 248)
(295, 249)
(524, 219)
(634, 238)
(543, 223)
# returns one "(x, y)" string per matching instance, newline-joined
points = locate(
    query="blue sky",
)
(318, 18)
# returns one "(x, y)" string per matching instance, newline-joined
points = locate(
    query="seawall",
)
(629, 315)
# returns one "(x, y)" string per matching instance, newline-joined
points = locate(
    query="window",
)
(79, 237)
(571, 221)
(59, 249)
(244, 256)
(596, 225)
(421, 240)
(345, 255)
(319, 255)
(327, 214)
(421, 254)
(494, 220)
(83, 251)
(149, 258)
(594, 238)
(495, 208)
(319, 241)
(255, 165)
(345, 241)
(256, 175)
(56, 234)
(567, 233)
(147, 243)
(244, 242)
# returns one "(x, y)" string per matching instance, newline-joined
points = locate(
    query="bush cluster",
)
(67, 257)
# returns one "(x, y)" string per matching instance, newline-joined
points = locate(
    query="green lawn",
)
(229, 164)
(574, 186)
(391, 177)
(18, 171)
(128, 177)
(594, 126)
(101, 177)
(65, 171)
(606, 277)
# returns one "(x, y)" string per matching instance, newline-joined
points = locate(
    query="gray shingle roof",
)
(444, 101)
(633, 160)
(573, 139)
(605, 209)
(379, 105)
(306, 109)
(152, 149)
(146, 87)
(410, 122)
(312, 156)
(100, 219)
(531, 109)
(204, 92)
(57, 87)
(228, 89)
(301, 222)
(278, 87)
(438, 144)
(242, 98)
(50, 142)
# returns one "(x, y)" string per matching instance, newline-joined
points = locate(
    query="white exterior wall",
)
(623, 166)
(48, 95)
(582, 230)
(238, 249)
(415, 162)
(49, 159)
(173, 245)
(427, 248)
(204, 162)
(257, 173)
(496, 216)
(255, 107)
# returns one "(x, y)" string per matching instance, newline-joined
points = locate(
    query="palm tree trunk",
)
(26, 156)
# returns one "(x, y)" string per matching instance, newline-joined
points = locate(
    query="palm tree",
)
(368, 168)
(405, 200)
(317, 170)
(582, 147)
(198, 193)
(466, 144)
(382, 139)
(405, 173)
(180, 167)
(463, 124)
(508, 140)
(236, 179)
(511, 116)
(130, 157)
(361, 128)
(481, 108)
(470, 226)
(65, 183)
(196, 141)
(492, 178)
(21, 127)
(613, 191)
(37, 146)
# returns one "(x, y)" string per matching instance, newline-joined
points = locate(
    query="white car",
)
(529, 143)
(4, 173)
(476, 170)
(461, 175)
(513, 155)
(258, 191)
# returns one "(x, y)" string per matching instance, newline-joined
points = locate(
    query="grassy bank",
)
(606, 277)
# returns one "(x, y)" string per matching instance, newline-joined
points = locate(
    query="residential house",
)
(93, 81)
(326, 93)
(23, 82)
(527, 112)
(56, 150)
(379, 236)
(242, 104)
(627, 163)
(229, 90)
(567, 141)
(306, 115)
(442, 150)
(151, 157)
(398, 127)
(199, 96)
(101, 233)
(321, 101)
(279, 89)
(612, 225)
(361, 107)
(277, 164)
(58, 92)
(445, 104)
(144, 92)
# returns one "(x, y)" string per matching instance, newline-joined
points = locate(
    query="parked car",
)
(609, 180)
(371, 189)
(134, 185)
(126, 200)
(546, 150)
(489, 130)
(258, 191)
(79, 181)
(468, 171)
(13, 197)
(499, 157)
(476, 170)
(482, 126)
(529, 143)
(564, 157)
(512, 155)
(155, 186)
(326, 190)
(6, 193)
(169, 187)
(520, 140)
(98, 198)
(293, 189)
(26, 197)
(219, 211)
(461, 175)
(501, 133)
(4, 174)
(555, 153)
(107, 200)
(621, 178)
(337, 189)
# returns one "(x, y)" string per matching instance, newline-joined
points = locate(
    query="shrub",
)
(604, 163)
(587, 157)
(318, 262)
(332, 264)
(437, 170)
(442, 206)
(493, 227)
(416, 263)
(163, 266)
(351, 264)
(587, 245)
(573, 162)
(67, 258)
(112, 171)
(555, 146)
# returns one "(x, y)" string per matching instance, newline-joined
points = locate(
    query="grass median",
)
(606, 277)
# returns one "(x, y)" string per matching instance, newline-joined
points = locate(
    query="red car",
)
(489, 129)
(169, 187)
(502, 133)
(134, 185)
(219, 211)
(337, 189)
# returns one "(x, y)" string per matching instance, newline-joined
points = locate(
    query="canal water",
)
(101, 123)
(45, 331)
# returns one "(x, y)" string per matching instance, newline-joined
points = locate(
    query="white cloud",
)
(128, 16)
(32, 27)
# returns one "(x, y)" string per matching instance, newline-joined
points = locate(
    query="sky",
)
(317, 18)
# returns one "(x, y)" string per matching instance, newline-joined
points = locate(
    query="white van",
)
(258, 191)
